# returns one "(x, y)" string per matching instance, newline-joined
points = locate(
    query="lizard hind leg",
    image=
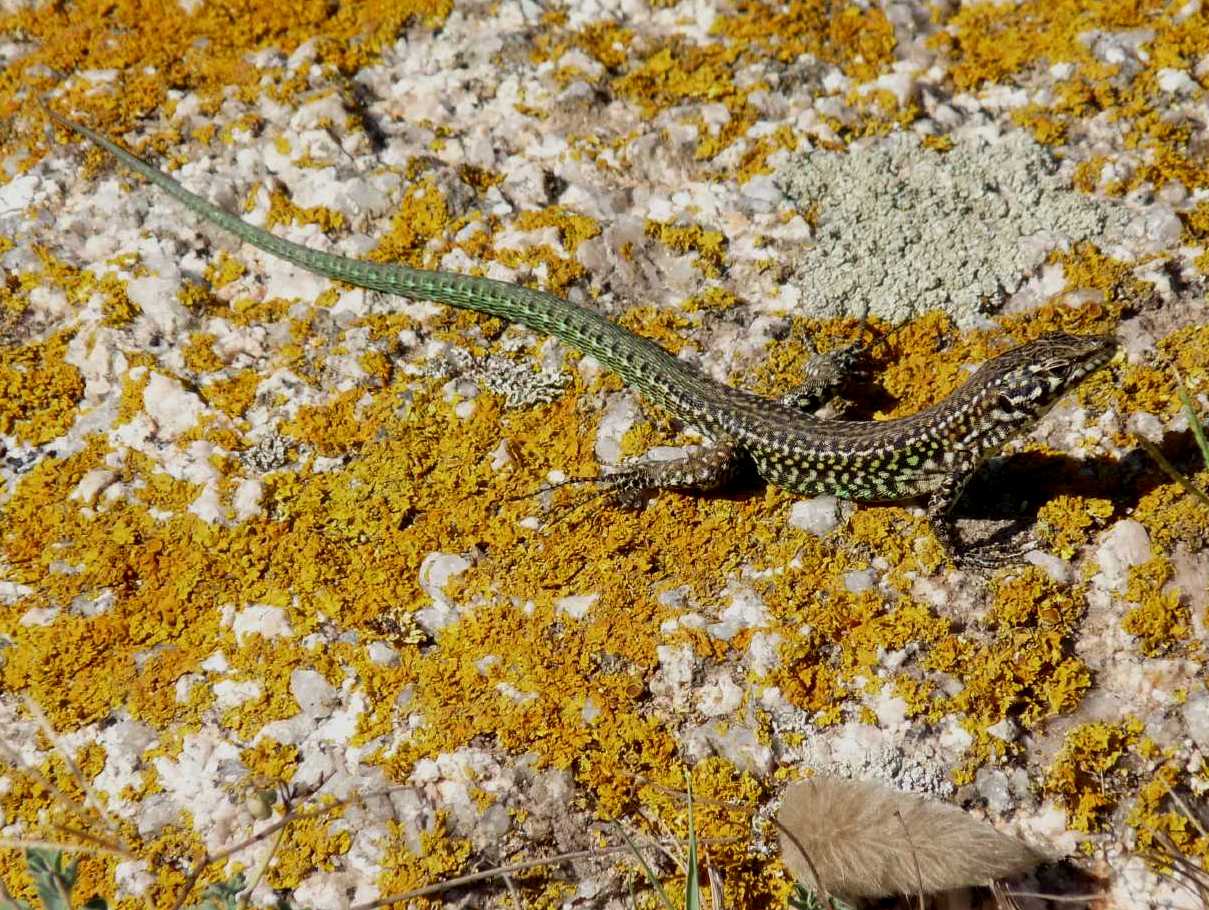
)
(702, 468)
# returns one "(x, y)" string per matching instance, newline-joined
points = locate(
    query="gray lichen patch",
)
(903, 229)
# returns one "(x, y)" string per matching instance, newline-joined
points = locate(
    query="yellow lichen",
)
(994, 42)
(39, 390)
(1162, 816)
(1066, 523)
(283, 210)
(573, 228)
(199, 353)
(232, 395)
(710, 246)
(1160, 620)
(663, 326)
(1092, 772)
(142, 41)
(224, 269)
(310, 844)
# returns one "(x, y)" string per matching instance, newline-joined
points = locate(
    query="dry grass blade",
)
(21, 843)
(91, 799)
(919, 875)
(1170, 470)
(1058, 898)
(1198, 432)
(1181, 868)
(845, 838)
(438, 887)
(1198, 428)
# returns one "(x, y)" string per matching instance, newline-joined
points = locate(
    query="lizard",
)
(931, 454)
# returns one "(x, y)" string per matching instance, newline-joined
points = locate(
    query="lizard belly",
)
(869, 477)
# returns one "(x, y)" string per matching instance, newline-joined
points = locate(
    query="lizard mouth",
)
(1089, 353)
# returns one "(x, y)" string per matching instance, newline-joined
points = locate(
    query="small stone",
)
(817, 516)
(1124, 545)
(383, 654)
(576, 606)
(719, 697)
(1146, 425)
(314, 694)
(1196, 716)
(859, 581)
(437, 569)
(1175, 81)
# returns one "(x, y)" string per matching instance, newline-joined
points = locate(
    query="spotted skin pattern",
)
(929, 454)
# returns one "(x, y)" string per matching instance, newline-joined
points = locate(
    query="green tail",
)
(639, 361)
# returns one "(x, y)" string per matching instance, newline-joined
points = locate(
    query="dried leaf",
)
(864, 839)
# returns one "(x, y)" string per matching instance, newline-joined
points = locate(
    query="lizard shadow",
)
(1015, 486)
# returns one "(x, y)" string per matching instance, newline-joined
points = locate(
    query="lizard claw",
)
(998, 553)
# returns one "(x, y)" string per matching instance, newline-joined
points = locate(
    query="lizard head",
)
(1021, 385)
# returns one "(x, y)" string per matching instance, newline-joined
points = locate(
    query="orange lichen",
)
(142, 41)
(423, 215)
(310, 844)
(1092, 772)
(1161, 817)
(224, 269)
(1031, 600)
(672, 72)
(859, 40)
(712, 299)
(199, 354)
(39, 390)
(232, 395)
(1027, 671)
(283, 210)
(1066, 522)
(1086, 266)
(573, 228)
(710, 246)
(755, 158)
(1160, 620)
(441, 856)
(116, 305)
(338, 541)
(993, 42)
(666, 327)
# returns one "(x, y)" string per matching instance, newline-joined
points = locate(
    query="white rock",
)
(437, 568)
(675, 677)
(857, 581)
(719, 697)
(262, 620)
(1124, 545)
(247, 498)
(231, 693)
(576, 606)
(383, 654)
(314, 694)
(1175, 81)
(173, 409)
(91, 484)
(155, 296)
(818, 516)
(1145, 424)
(746, 611)
(16, 195)
(1196, 717)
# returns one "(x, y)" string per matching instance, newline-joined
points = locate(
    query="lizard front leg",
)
(825, 376)
(987, 556)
